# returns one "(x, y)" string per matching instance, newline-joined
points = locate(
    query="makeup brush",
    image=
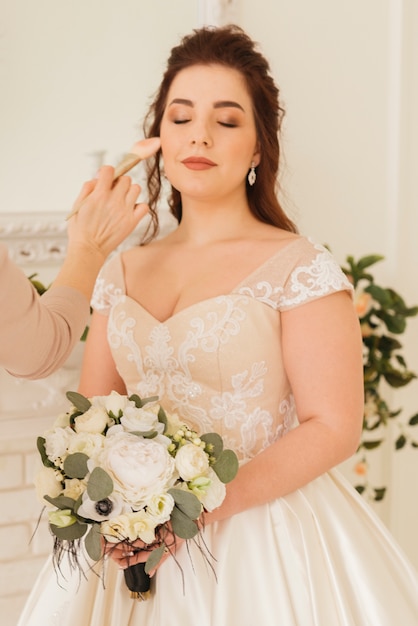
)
(139, 151)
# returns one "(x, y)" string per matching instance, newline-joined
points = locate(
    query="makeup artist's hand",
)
(106, 212)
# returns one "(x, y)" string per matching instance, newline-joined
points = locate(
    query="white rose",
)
(139, 468)
(142, 526)
(48, 482)
(89, 444)
(129, 527)
(93, 421)
(191, 461)
(73, 488)
(214, 494)
(57, 441)
(159, 507)
(141, 420)
(114, 402)
(116, 529)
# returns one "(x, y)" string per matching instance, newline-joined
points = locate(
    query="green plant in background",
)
(383, 315)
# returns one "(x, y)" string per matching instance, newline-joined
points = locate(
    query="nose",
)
(200, 135)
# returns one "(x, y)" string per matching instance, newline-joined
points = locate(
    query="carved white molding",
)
(41, 238)
(218, 12)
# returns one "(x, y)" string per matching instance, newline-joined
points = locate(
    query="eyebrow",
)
(220, 104)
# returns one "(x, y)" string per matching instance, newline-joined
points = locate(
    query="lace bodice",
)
(218, 363)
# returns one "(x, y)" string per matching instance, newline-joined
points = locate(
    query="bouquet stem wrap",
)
(137, 581)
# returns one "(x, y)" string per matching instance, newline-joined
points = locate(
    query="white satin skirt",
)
(318, 557)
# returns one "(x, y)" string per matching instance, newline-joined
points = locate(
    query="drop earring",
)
(252, 176)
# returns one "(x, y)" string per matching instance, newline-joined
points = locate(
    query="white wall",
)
(349, 82)
(76, 77)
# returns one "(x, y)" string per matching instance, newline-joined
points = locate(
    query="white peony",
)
(48, 482)
(93, 421)
(191, 461)
(139, 468)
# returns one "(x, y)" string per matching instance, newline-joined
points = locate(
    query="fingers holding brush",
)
(139, 151)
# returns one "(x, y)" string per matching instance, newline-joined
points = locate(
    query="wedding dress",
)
(317, 557)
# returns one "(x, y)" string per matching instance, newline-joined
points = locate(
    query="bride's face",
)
(208, 134)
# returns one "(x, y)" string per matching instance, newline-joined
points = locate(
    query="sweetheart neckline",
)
(220, 295)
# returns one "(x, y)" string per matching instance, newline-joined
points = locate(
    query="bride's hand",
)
(127, 554)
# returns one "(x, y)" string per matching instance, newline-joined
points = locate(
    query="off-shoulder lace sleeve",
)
(109, 287)
(314, 274)
(296, 274)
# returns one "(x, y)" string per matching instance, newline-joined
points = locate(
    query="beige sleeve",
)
(36, 334)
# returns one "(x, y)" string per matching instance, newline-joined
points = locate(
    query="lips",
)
(198, 163)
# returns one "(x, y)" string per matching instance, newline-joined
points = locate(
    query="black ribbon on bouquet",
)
(137, 581)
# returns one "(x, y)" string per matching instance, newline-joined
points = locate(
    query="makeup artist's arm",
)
(38, 334)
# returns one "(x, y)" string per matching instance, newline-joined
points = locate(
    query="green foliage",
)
(383, 316)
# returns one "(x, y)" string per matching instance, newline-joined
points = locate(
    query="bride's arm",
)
(322, 351)
(99, 375)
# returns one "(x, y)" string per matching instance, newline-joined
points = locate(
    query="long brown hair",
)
(231, 47)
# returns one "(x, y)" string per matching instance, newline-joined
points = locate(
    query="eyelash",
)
(225, 124)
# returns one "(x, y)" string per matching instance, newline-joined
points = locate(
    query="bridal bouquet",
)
(120, 469)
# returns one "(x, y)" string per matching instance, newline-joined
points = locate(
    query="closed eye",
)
(228, 124)
(180, 121)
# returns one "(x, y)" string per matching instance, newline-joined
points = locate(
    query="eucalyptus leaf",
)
(80, 402)
(140, 402)
(162, 418)
(186, 502)
(149, 399)
(135, 398)
(93, 543)
(154, 558)
(214, 440)
(99, 485)
(226, 467)
(75, 465)
(40, 444)
(69, 533)
(149, 434)
(182, 525)
(61, 502)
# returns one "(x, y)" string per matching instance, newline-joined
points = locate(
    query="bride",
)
(240, 324)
